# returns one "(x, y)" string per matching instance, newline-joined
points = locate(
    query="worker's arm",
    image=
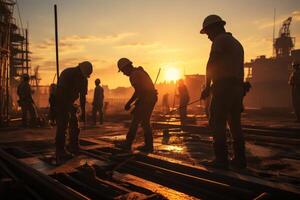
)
(215, 57)
(130, 101)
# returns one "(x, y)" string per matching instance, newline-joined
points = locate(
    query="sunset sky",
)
(152, 33)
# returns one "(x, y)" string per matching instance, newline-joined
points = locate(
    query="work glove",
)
(205, 93)
(127, 106)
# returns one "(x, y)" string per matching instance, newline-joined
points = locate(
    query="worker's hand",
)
(127, 106)
(205, 93)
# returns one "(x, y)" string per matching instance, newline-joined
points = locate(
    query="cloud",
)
(140, 45)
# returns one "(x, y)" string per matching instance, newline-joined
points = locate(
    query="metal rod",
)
(26, 49)
(157, 76)
(56, 42)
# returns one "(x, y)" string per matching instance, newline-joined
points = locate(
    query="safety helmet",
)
(123, 62)
(97, 81)
(86, 68)
(211, 19)
(25, 77)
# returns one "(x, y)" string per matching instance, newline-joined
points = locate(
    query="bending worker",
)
(145, 97)
(72, 84)
(224, 79)
(26, 102)
(98, 102)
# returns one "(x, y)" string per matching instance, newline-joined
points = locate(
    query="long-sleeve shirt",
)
(226, 58)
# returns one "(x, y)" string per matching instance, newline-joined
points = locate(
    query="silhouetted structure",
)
(265, 74)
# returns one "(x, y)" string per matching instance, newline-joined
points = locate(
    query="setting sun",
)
(172, 74)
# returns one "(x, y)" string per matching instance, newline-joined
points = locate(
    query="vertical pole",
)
(26, 49)
(56, 43)
(274, 31)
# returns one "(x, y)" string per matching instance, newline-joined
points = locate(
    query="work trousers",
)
(226, 106)
(141, 115)
(28, 107)
(66, 119)
(296, 100)
(98, 109)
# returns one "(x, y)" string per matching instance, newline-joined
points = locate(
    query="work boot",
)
(238, 163)
(216, 164)
(63, 156)
(123, 145)
(145, 148)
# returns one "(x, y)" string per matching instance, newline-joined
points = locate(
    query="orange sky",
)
(153, 33)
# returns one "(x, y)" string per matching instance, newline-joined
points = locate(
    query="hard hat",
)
(86, 68)
(25, 77)
(123, 62)
(209, 20)
(97, 81)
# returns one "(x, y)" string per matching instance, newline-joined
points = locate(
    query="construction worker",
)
(224, 80)
(294, 81)
(145, 97)
(184, 99)
(26, 101)
(165, 103)
(98, 102)
(52, 92)
(72, 84)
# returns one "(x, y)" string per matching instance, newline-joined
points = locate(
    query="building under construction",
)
(14, 58)
(269, 76)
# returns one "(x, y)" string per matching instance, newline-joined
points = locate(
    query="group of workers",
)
(224, 85)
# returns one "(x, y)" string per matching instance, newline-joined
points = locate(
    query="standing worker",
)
(184, 99)
(295, 83)
(165, 103)
(145, 97)
(72, 84)
(26, 101)
(225, 71)
(52, 94)
(98, 102)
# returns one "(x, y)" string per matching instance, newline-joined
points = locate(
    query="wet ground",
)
(273, 160)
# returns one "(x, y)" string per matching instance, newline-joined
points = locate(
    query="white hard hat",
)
(123, 62)
(209, 20)
(86, 68)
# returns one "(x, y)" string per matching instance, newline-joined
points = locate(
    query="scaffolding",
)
(14, 57)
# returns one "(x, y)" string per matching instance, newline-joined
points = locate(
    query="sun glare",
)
(172, 74)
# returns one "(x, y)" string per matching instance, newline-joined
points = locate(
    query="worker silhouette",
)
(52, 95)
(294, 81)
(144, 99)
(184, 99)
(72, 83)
(26, 102)
(98, 102)
(224, 80)
(165, 103)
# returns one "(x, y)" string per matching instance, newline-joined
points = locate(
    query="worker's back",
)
(24, 91)
(141, 82)
(98, 95)
(229, 62)
(71, 84)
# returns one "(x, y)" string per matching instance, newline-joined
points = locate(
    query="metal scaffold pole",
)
(56, 42)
